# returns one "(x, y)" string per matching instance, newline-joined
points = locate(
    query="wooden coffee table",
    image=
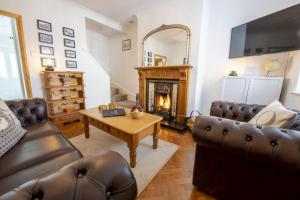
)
(125, 128)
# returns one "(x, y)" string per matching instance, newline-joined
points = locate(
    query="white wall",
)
(217, 20)
(175, 12)
(63, 13)
(122, 63)
(97, 44)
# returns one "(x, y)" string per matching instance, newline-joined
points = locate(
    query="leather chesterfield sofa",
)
(237, 160)
(45, 165)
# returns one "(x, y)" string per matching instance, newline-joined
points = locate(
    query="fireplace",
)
(164, 91)
(162, 98)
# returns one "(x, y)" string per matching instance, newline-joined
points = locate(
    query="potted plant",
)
(137, 111)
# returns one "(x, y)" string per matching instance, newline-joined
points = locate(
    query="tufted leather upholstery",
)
(44, 150)
(235, 111)
(243, 112)
(103, 176)
(30, 111)
(270, 145)
(233, 157)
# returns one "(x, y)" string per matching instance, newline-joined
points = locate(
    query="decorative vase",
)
(136, 114)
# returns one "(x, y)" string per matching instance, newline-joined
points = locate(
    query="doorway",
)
(14, 76)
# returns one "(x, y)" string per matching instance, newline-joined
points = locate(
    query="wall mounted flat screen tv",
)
(278, 32)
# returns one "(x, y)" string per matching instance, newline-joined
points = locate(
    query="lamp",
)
(272, 66)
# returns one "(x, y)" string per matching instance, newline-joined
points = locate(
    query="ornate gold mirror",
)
(167, 45)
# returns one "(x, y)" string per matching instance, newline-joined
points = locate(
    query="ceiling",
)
(120, 10)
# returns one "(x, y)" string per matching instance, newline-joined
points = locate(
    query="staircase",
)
(119, 98)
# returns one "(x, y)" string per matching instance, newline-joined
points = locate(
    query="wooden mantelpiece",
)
(180, 73)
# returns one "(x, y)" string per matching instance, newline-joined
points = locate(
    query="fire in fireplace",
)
(162, 98)
(163, 103)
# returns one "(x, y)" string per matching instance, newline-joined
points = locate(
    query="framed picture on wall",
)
(68, 32)
(47, 62)
(45, 38)
(71, 64)
(45, 26)
(69, 43)
(70, 54)
(126, 45)
(46, 50)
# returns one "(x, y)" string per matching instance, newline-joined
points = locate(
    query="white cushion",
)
(5, 109)
(10, 129)
(275, 115)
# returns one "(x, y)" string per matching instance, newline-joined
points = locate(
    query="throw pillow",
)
(10, 132)
(5, 109)
(275, 115)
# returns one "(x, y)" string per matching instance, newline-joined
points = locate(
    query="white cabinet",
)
(234, 89)
(251, 90)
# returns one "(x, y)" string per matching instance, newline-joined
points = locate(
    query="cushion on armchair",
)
(10, 132)
(275, 115)
(5, 109)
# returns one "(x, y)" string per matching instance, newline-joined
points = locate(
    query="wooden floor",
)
(174, 181)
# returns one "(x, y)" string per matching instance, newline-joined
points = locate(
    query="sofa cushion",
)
(10, 132)
(4, 108)
(37, 131)
(33, 152)
(39, 170)
(275, 115)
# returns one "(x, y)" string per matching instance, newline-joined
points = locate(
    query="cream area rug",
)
(148, 163)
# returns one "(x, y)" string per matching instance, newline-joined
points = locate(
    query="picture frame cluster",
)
(46, 44)
(70, 45)
(46, 47)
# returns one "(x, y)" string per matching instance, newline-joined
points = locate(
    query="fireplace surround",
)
(164, 91)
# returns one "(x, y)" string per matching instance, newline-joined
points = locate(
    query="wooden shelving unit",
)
(65, 96)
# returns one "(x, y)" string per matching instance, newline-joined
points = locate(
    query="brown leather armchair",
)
(48, 166)
(236, 160)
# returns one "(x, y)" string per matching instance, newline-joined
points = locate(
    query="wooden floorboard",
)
(174, 181)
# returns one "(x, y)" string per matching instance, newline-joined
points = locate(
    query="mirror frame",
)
(166, 27)
(23, 54)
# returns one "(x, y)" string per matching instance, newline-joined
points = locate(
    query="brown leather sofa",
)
(48, 166)
(237, 160)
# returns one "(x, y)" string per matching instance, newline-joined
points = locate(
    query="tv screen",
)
(278, 32)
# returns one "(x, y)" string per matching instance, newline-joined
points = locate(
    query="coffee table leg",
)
(132, 145)
(86, 127)
(155, 135)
